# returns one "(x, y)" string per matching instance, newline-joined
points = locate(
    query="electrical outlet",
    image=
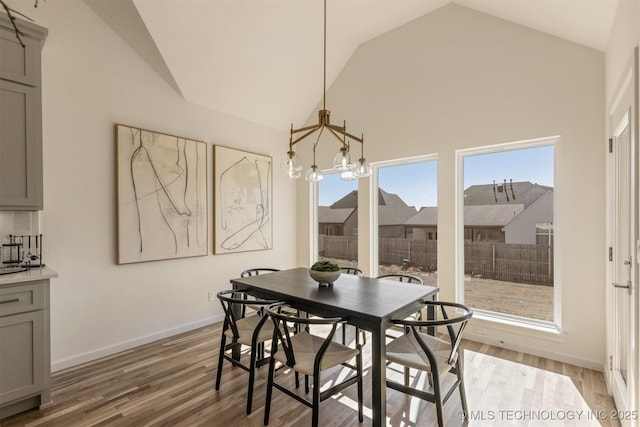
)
(212, 296)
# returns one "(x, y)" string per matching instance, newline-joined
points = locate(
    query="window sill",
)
(484, 323)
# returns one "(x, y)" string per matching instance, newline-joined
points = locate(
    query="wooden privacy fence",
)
(341, 247)
(499, 261)
(510, 262)
(420, 253)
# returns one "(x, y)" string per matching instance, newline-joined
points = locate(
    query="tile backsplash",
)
(19, 222)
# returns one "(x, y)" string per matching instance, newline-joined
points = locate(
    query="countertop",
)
(39, 273)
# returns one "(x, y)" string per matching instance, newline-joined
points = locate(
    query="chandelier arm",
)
(302, 129)
(342, 131)
(339, 129)
(339, 137)
(355, 138)
(294, 142)
(315, 144)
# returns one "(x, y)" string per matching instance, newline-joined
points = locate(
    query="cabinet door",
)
(18, 64)
(21, 355)
(20, 147)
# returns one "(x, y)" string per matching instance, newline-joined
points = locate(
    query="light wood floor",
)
(171, 383)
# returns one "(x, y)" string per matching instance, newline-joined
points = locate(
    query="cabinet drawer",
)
(21, 299)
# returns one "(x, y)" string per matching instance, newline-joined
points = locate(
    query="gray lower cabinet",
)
(25, 366)
(20, 116)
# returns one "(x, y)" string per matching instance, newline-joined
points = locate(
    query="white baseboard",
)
(126, 345)
(537, 351)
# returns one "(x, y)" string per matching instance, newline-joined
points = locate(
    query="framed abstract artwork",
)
(161, 196)
(242, 191)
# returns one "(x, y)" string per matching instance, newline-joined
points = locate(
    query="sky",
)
(416, 183)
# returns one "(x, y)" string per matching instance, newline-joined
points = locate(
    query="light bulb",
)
(290, 168)
(349, 175)
(342, 160)
(313, 174)
(363, 168)
(293, 174)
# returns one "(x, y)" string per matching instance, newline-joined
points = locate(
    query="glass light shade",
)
(313, 174)
(349, 175)
(363, 168)
(342, 160)
(293, 173)
(290, 168)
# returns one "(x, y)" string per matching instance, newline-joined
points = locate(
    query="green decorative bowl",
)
(324, 278)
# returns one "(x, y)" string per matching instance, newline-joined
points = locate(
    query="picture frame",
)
(243, 201)
(162, 204)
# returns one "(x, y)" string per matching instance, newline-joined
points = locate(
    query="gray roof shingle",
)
(474, 216)
(484, 194)
(327, 215)
(392, 209)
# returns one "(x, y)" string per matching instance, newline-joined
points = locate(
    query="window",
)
(544, 233)
(505, 253)
(338, 220)
(407, 217)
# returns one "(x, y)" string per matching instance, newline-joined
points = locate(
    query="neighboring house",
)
(482, 223)
(488, 209)
(503, 193)
(424, 224)
(534, 225)
(341, 218)
(393, 213)
(332, 222)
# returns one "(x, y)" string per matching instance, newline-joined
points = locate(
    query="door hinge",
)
(611, 363)
(611, 145)
(610, 253)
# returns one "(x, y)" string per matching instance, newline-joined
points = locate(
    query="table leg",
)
(378, 377)
(431, 315)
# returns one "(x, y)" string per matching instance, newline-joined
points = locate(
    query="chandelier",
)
(350, 170)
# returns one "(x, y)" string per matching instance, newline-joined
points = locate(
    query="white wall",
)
(457, 79)
(91, 79)
(625, 35)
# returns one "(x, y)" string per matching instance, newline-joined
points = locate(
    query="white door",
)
(622, 286)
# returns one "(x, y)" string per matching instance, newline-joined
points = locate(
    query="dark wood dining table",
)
(366, 302)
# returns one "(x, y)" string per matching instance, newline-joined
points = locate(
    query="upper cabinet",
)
(20, 116)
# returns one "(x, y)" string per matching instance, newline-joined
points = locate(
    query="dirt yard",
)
(533, 301)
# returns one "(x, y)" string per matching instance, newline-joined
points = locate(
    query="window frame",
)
(314, 202)
(373, 200)
(502, 318)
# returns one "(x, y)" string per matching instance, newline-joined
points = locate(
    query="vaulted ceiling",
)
(261, 60)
